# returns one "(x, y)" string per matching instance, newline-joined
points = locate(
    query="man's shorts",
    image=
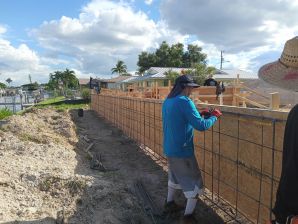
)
(184, 173)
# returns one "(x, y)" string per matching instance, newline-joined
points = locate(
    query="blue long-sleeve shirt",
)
(179, 118)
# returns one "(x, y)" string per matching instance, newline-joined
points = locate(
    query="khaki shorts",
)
(184, 173)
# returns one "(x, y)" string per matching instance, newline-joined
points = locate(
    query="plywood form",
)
(235, 156)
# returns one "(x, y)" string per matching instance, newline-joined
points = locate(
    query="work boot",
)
(188, 219)
(171, 207)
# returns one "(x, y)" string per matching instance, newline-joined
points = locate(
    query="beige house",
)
(114, 83)
(84, 83)
(155, 76)
(227, 75)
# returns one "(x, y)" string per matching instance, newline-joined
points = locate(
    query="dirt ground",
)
(45, 174)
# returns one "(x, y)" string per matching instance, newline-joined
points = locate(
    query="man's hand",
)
(206, 113)
(210, 112)
(216, 113)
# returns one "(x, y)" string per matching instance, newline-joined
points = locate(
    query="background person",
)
(210, 81)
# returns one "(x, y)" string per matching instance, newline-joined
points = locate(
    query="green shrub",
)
(85, 94)
(5, 112)
(69, 93)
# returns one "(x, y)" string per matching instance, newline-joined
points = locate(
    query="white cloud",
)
(103, 33)
(233, 25)
(2, 29)
(18, 62)
(148, 2)
(249, 32)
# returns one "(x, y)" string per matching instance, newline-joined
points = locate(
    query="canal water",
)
(6, 101)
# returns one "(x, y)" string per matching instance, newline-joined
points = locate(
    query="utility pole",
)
(221, 59)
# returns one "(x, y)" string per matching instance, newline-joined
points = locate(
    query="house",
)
(124, 84)
(84, 83)
(113, 83)
(227, 75)
(155, 76)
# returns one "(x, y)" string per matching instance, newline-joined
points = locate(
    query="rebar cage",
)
(240, 156)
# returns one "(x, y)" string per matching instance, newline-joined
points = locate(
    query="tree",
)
(171, 75)
(176, 56)
(163, 55)
(200, 73)
(2, 85)
(69, 79)
(172, 56)
(146, 60)
(31, 86)
(193, 56)
(65, 79)
(9, 80)
(120, 68)
(53, 81)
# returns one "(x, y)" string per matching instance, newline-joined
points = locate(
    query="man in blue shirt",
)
(180, 117)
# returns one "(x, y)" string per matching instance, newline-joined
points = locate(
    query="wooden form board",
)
(204, 93)
(240, 156)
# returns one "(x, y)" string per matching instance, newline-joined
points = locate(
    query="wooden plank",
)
(251, 102)
(214, 96)
(255, 92)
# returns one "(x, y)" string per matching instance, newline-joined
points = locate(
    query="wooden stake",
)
(275, 101)
(220, 99)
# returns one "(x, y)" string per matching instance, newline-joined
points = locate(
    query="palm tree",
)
(120, 68)
(69, 78)
(9, 80)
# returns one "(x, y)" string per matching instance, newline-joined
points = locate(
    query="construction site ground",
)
(46, 177)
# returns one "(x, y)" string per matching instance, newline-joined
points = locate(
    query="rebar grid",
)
(223, 170)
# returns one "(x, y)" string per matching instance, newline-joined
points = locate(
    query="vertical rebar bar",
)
(212, 164)
(204, 156)
(237, 165)
(218, 177)
(272, 167)
(261, 176)
(144, 139)
(154, 126)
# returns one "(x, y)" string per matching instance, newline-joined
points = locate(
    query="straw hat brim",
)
(280, 75)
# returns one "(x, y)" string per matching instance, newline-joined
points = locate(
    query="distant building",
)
(113, 83)
(156, 76)
(84, 83)
(226, 75)
(153, 76)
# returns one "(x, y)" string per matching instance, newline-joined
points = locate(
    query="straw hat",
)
(284, 72)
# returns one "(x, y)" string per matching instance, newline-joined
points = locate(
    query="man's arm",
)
(192, 115)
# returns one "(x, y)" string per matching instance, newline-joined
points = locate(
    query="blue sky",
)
(89, 36)
(21, 16)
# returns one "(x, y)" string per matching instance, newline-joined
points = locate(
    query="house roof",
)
(84, 81)
(130, 79)
(116, 79)
(156, 73)
(228, 74)
(159, 73)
